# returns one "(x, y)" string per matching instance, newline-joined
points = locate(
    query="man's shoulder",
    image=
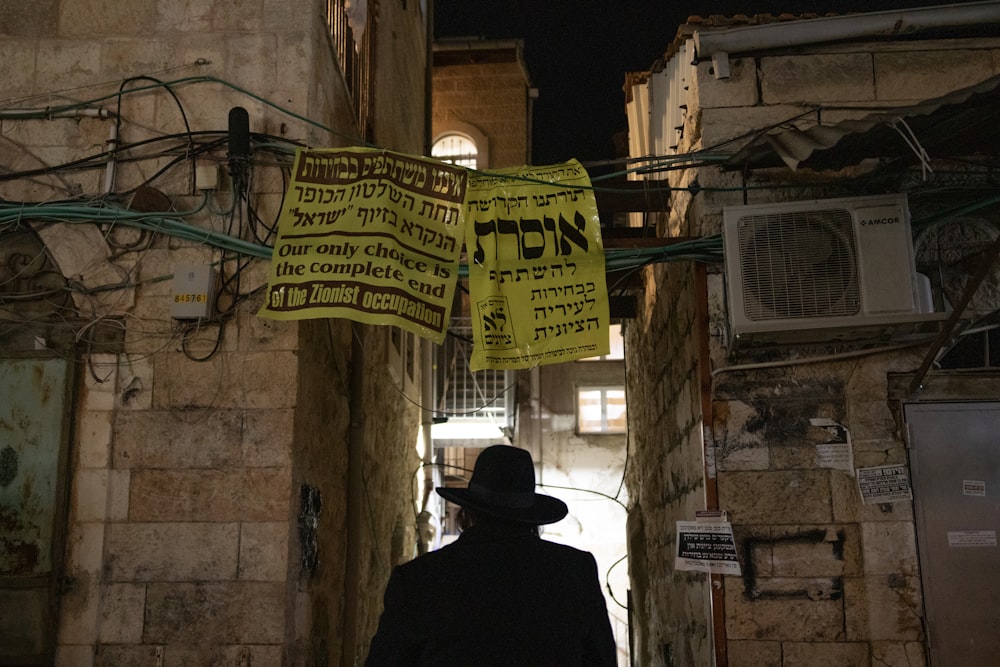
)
(566, 551)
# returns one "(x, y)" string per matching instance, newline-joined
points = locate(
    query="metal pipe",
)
(426, 421)
(109, 172)
(848, 26)
(80, 112)
(355, 499)
(47, 113)
(717, 591)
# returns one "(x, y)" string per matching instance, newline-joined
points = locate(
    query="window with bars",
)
(463, 395)
(457, 149)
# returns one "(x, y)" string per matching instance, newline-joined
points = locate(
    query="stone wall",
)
(826, 580)
(666, 471)
(217, 470)
(491, 97)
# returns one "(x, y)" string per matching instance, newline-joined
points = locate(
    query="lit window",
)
(617, 345)
(600, 410)
(456, 149)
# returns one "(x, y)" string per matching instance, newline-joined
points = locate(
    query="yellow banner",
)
(371, 236)
(536, 267)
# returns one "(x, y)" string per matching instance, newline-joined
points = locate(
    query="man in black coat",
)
(499, 595)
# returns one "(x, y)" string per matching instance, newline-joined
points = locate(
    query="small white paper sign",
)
(706, 547)
(973, 487)
(972, 538)
(884, 484)
(835, 452)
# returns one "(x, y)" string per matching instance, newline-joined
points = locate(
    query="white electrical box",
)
(193, 293)
(206, 176)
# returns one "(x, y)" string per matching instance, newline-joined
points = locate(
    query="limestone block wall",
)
(666, 471)
(211, 466)
(492, 97)
(826, 580)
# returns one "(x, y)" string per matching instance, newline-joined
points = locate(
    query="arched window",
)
(456, 149)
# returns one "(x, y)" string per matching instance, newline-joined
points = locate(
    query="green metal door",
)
(34, 419)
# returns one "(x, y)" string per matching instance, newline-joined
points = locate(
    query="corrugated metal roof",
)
(963, 123)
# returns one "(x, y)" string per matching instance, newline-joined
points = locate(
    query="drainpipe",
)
(427, 374)
(109, 173)
(427, 455)
(429, 80)
(355, 500)
(716, 581)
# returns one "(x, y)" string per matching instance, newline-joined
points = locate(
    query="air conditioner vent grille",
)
(799, 264)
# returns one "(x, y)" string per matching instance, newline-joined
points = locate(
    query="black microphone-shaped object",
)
(239, 133)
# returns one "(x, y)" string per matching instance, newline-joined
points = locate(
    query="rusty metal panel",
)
(31, 419)
(34, 409)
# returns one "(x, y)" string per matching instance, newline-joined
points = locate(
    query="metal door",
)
(33, 443)
(955, 466)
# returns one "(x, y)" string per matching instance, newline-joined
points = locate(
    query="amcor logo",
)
(893, 220)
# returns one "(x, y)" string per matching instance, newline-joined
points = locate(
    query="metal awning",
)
(963, 123)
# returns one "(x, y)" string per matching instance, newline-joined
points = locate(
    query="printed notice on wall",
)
(706, 547)
(883, 484)
(972, 538)
(973, 487)
(536, 267)
(834, 448)
(371, 236)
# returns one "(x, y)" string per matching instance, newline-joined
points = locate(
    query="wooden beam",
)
(622, 196)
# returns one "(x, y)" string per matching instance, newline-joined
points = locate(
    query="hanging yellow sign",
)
(371, 236)
(537, 283)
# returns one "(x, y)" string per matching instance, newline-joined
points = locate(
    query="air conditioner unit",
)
(822, 270)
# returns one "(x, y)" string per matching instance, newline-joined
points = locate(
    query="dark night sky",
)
(578, 51)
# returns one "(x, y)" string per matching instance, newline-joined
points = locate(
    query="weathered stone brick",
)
(738, 447)
(739, 90)
(91, 494)
(890, 548)
(789, 497)
(99, 17)
(170, 439)
(898, 654)
(884, 607)
(263, 551)
(826, 654)
(783, 618)
(245, 494)
(815, 78)
(754, 654)
(927, 73)
(215, 613)
(74, 655)
(121, 613)
(267, 438)
(70, 63)
(172, 551)
(94, 438)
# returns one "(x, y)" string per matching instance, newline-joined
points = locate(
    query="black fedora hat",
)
(503, 486)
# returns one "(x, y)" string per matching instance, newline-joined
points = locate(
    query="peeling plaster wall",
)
(827, 580)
